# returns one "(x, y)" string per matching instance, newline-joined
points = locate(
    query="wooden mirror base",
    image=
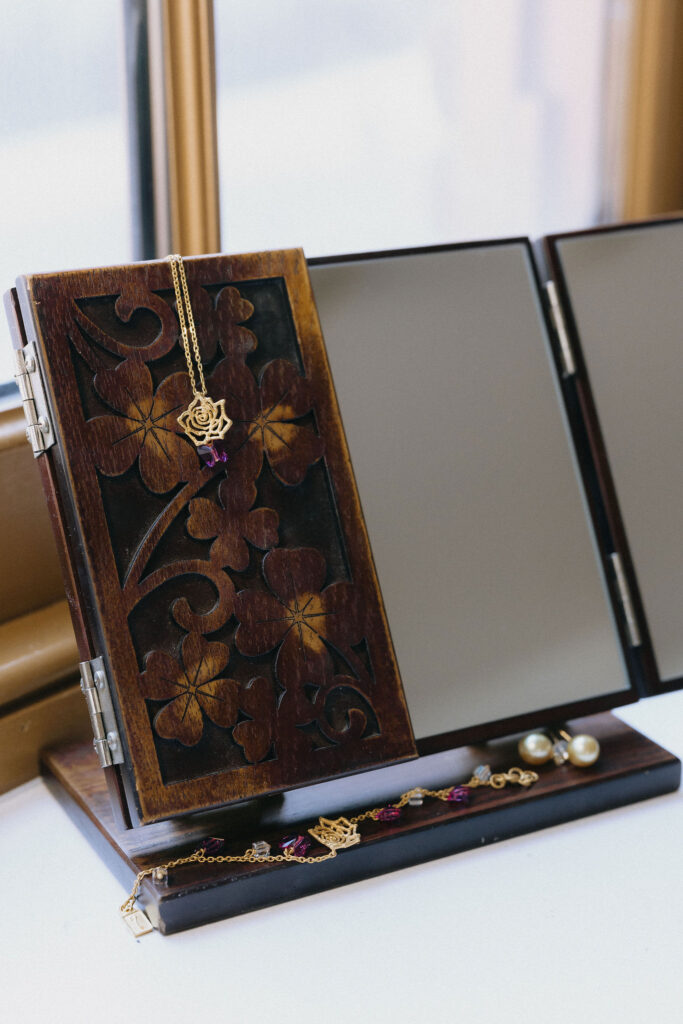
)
(631, 768)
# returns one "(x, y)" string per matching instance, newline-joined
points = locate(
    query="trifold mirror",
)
(516, 450)
(623, 291)
(504, 563)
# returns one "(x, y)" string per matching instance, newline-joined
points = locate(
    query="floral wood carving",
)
(264, 416)
(298, 618)
(192, 688)
(146, 425)
(233, 522)
(243, 626)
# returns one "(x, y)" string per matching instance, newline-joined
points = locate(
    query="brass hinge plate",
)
(39, 430)
(95, 687)
(557, 317)
(626, 600)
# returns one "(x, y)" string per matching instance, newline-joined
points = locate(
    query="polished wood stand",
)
(631, 768)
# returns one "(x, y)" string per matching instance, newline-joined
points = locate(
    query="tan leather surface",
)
(30, 576)
(59, 718)
(36, 650)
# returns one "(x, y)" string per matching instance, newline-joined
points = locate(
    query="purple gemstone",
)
(459, 795)
(297, 845)
(211, 846)
(388, 814)
(212, 453)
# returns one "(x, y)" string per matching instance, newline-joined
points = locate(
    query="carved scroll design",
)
(319, 690)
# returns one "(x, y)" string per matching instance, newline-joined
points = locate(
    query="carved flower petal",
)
(298, 663)
(293, 572)
(257, 699)
(172, 397)
(219, 700)
(303, 645)
(231, 310)
(245, 456)
(255, 738)
(115, 442)
(284, 392)
(163, 677)
(263, 622)
(181, 720)
(203, 659)
(234, 382)
(261, 526)
(344, 622)
(165, 459)
(128, 388)
(230, 549)
(236, 495)
(205, 520)
(291, 450)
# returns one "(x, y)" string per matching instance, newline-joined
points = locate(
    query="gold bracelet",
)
(335, 834)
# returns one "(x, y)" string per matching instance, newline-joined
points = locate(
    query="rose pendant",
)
(205, 421)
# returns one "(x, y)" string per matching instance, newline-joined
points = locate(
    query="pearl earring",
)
(583, 750)
(537, 747)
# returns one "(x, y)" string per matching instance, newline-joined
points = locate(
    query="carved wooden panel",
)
(236, 605)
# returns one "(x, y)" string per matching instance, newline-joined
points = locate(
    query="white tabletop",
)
(582, 922)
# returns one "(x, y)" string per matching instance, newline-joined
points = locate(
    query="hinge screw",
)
(100, 680)
(112, 741)
(30, 364)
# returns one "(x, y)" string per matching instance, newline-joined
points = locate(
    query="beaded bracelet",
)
(335, 834)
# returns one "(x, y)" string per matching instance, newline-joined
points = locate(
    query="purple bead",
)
(212, 453)
(459, 795)
(388, 814)
(211, 846)
(297, 845)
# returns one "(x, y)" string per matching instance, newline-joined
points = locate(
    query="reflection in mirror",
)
(483, 549)
(626, 295)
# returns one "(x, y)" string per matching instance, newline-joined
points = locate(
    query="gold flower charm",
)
(205, 421)
(337, 835)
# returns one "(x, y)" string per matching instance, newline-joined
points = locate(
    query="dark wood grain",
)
(630, 768)
(236, 606)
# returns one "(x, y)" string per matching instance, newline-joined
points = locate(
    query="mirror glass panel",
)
(626, 292)
(457, 435)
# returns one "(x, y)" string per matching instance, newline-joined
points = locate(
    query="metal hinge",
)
(95, 687)
(30, 383)
(566, 353)
(626, 601)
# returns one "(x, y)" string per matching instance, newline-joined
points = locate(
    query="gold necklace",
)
(204, 421)
(335, 834)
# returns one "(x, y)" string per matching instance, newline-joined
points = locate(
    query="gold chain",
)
(204, 421)
(337, 834)
(187, 328)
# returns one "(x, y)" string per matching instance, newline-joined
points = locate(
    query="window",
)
(64, 166)
(373, 124)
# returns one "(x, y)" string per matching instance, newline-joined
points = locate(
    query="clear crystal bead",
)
(482, 772)
(560, 754)
(261, 848)
(416, 800)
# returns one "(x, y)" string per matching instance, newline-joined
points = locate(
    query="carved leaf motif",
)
(220, 322)
(262, 416)
(297, 614)
(255, 736)
(233, 523)
(146, 426)
(192, 688)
